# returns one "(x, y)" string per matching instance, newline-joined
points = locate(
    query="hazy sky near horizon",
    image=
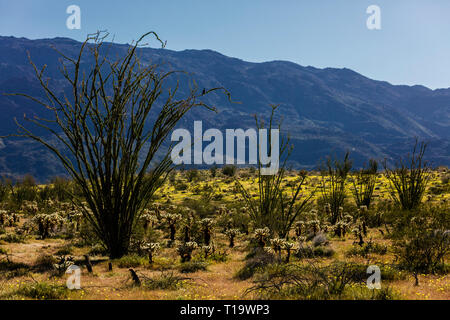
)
(412, 47)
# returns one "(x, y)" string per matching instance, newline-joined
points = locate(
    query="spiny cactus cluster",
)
(232, 234)
(47, 223)
(261, 236)
(30, 207)
(207, 251)
(207, 225)
(151, 248)
(185, 250)
(149, 218)
(63, 262)
(8, 219)
(172, 220)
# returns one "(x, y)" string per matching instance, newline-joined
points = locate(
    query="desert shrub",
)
(306, 252)
(65, 250)
(42, 291)
(165, 281)
(422, 244)
(361, 292)
(305, 282)
(339, 280)
(213, 171)
(60, 189)
(229, 170)
(366, 249)
(45, 262)
(5, 187)
(192, 175)
(10, 269)
(87, 236)
(12, 238)
(162, 264)
(320, 240)
(98, 250)
(218, 256)
(131, 261)
(259, 260)
(24, 190)
(181, 186)
(193, 266)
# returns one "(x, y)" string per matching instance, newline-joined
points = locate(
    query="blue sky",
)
(413, 46)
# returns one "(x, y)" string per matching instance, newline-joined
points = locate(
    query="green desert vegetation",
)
(186, 245)
(141, 229)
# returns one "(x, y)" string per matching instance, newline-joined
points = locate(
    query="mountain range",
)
(325, 111)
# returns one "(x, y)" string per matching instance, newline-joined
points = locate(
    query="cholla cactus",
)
(207, 225)
(348, 218)
(185, 250)
(358, 233)
(50, 203)
(222, 210)
(149, 219)
(47, 223)
(172, 219)
(261, 236)
(299, 228)
(30, 207)
(340, 228)
(26, 228)
(63, 262)
(207, 250)
(314, 225)
(327, 209)
(231, 234)
(288, 246)
(4, 218)
(340, 213)
(76, 217)
(151, 249)
(277, 244)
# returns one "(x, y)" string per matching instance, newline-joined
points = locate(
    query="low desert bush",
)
(259, 260)
(366, 249)
(131, 261)
(193, 266)
(42, 291)
(45, 262)
(314, 252)
(13, 238)
(165, 281)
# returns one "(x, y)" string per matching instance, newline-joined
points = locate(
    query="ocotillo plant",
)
(334, 174)
(273, 208)
(409, 179)
(107, 129)
(364, 184)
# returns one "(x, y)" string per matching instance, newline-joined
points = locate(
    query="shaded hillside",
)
(324, 110)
